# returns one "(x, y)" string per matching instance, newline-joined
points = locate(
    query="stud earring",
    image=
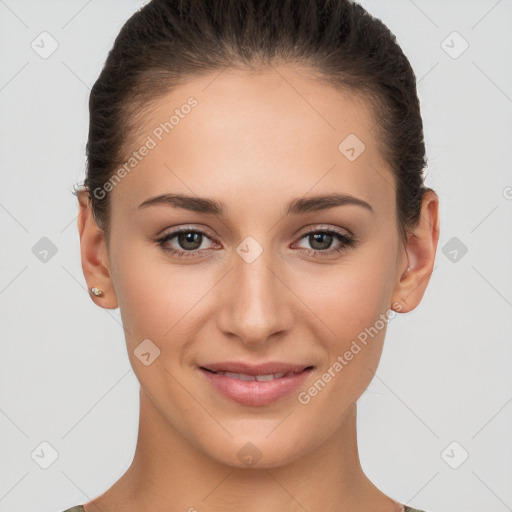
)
(97, 292)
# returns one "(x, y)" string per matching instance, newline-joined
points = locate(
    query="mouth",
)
(258, 377)
(255, 385)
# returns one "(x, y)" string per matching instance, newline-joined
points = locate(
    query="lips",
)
(255, 385)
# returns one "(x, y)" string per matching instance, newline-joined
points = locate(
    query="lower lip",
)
(256, 393)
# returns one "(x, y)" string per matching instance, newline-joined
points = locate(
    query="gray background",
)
(444, 385)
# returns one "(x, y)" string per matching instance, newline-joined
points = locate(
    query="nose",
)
(256, 303)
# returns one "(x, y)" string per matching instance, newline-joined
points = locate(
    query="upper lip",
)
(255, 369)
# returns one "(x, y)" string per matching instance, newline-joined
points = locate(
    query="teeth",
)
(259, 378)
(238, 376)
(269, 376)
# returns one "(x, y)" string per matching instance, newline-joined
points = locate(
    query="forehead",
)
(257, 133)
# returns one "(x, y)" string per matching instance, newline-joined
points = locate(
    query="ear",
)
(93, 251)
(420, 250)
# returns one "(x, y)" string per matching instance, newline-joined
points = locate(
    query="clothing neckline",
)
(405, 509)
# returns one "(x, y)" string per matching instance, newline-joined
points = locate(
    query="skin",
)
(255, 142)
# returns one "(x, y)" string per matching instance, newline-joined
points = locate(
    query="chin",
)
(256, 452)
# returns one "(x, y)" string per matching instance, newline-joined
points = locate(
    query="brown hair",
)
(167, 41)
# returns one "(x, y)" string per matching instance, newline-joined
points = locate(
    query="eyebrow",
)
(295, 207)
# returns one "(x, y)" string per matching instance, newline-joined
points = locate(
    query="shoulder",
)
(77, 508)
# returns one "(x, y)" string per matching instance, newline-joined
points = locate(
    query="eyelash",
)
(347, 242)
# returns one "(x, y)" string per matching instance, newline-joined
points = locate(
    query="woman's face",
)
(245, 285)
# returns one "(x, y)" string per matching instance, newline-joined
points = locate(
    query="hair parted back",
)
(167, 42)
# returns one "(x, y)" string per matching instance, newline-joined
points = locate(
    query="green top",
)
(79, 508)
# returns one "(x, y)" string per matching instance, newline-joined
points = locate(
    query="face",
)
(261, 272)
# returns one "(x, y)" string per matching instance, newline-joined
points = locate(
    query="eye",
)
(189, 242)
(321, 241)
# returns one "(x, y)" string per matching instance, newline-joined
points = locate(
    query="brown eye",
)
(190, 240)
(321, 241)
(187, 242)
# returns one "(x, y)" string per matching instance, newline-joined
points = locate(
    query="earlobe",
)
(420, 249)
(93, 251)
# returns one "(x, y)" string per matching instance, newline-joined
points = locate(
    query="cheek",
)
(350, 301)
(350, 297)
(351, 305)
(151, 295)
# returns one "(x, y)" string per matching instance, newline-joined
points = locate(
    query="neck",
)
(169, 473)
